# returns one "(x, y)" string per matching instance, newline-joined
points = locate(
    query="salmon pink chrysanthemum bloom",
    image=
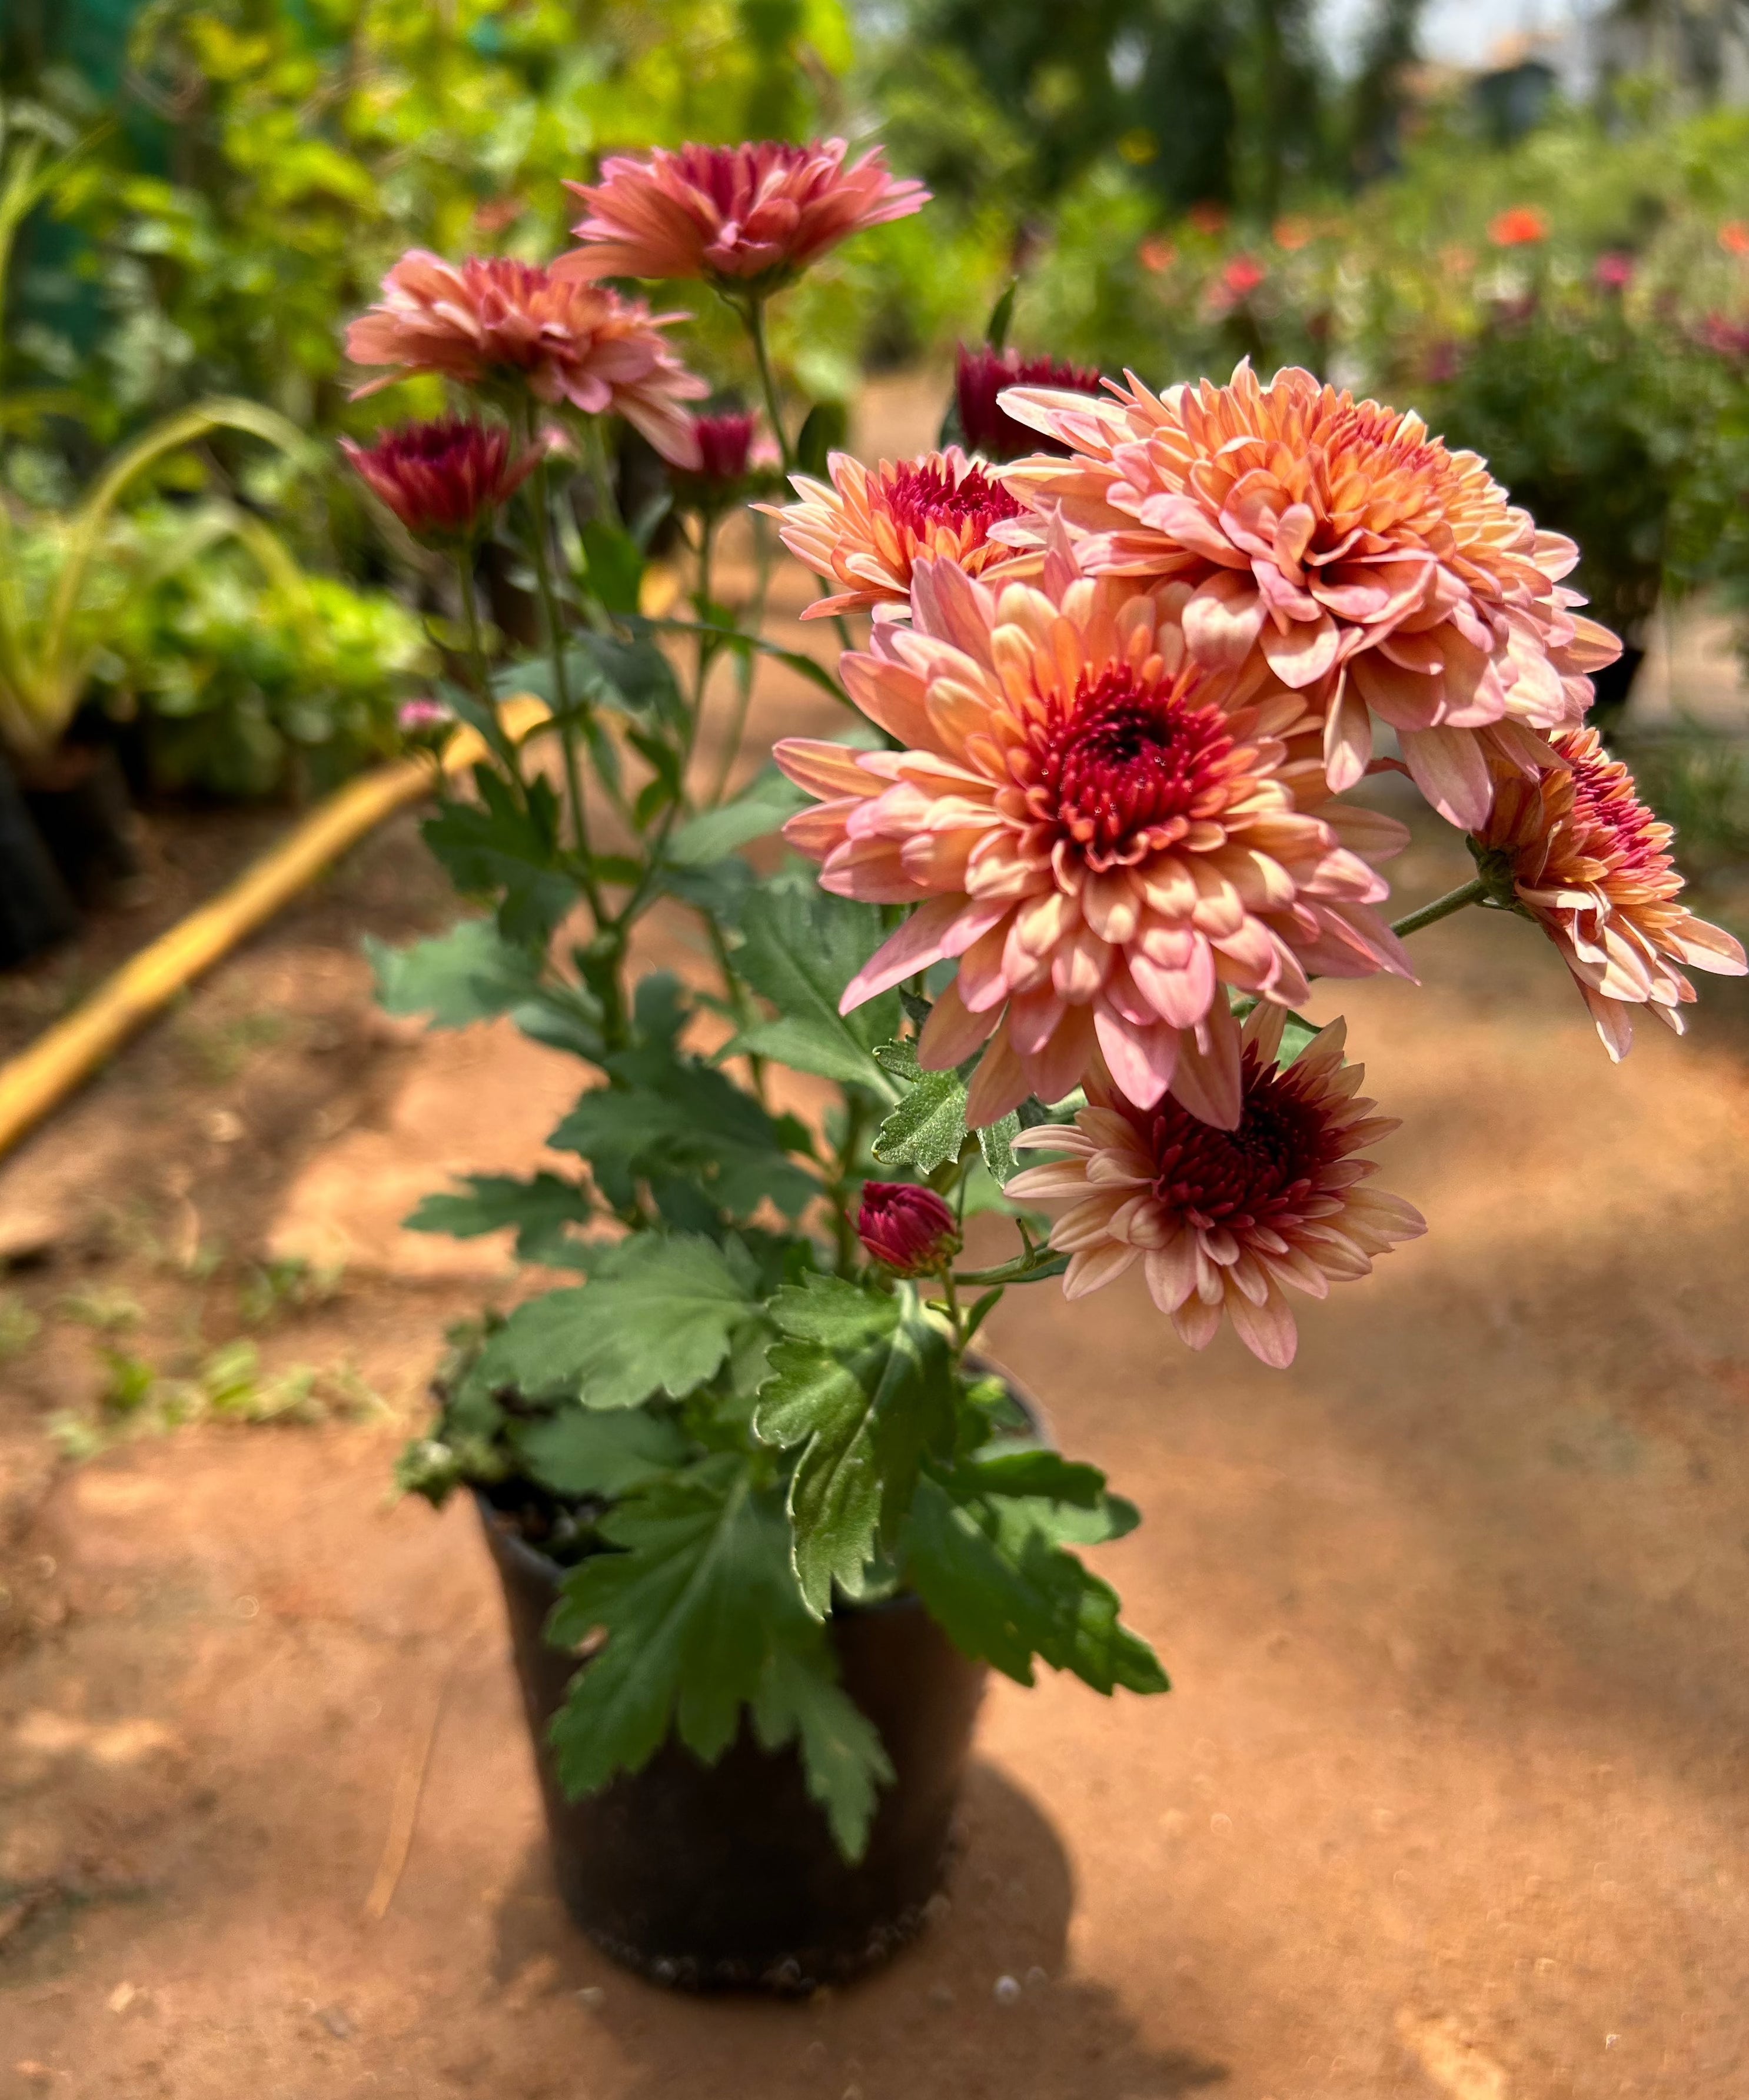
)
(1368, 566)
(868, 527)
(1222, 1220)
(489, 319)
(1102, 833)
(1591, 864)
(748, 217)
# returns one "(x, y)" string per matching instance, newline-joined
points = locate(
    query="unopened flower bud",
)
(907, 1228)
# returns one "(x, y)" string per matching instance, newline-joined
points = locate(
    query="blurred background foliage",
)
(1561, 282)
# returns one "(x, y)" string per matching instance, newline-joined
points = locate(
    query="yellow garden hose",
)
(42, 1077)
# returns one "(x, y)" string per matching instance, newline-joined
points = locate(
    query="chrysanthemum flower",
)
(1103, 833)
(868, 527)
(1370, 568)
(443, 479)
(1591, 864)
(489, 319)
(747, 217)
(983, 375)
(1222, 1220)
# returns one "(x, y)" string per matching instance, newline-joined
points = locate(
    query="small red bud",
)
(907, 1228)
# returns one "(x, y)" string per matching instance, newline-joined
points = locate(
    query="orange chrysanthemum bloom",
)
(489, 319)
(746, 217)
(1371, 568)
(1103, 833)
(1221, 1221)
(1591, 864)
(869, 528)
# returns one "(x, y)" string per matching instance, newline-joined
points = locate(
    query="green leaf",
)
(674, 1118)
(927, 1127)
(996, 329)
(765, 807)
(470, 973)
(579, 1453)
(615, 565)
(563, 1017)
(1068, 1503)
(864, 1383)
(703, 1619)
(843, 1759)
(800, 947)
(825, 429)
(541, 1210)
(494, 847)
(1003, 1590)
(657, 1317)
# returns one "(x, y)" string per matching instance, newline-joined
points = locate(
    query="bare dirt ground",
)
(1448, 1799)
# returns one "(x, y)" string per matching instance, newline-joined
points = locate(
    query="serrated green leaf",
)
(493, 846)
(541, 1210)
(864, 1383)
(927, 1127)
(674, 1118)
(843, 1759)
(1003, 1590)
(1067, 1502)
(996, 1141)
(800, 947)
(703, 1619)
(762, 809)
(657, 1318)
(470, 973)
(578, 1452)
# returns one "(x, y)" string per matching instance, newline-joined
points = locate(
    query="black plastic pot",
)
(81, 806)
(706, 1876)
(36, 911)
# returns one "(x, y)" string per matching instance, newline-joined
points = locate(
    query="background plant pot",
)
(706, 1876)
(81, 806)
(36, 911)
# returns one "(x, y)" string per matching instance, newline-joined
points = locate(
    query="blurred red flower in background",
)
(1519, 227)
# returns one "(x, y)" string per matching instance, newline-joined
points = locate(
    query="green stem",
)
(540, 526)
(752, 311)
(843, 1224)
(1469, 892)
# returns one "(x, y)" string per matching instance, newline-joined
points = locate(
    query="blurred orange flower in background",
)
(1519, 227)
(1733, 236)
(1209, 218)
(1243, 275)
(1156, 254)
(1294, 233)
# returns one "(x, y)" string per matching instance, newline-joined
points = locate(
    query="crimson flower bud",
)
(907, 1228)
(980, 375)
(442, 478)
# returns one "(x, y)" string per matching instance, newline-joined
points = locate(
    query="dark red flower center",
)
(1247, 1176)
(1124, 768)
(926, 495)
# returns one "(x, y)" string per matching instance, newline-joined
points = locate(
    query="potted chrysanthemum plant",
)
(762, 1517)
